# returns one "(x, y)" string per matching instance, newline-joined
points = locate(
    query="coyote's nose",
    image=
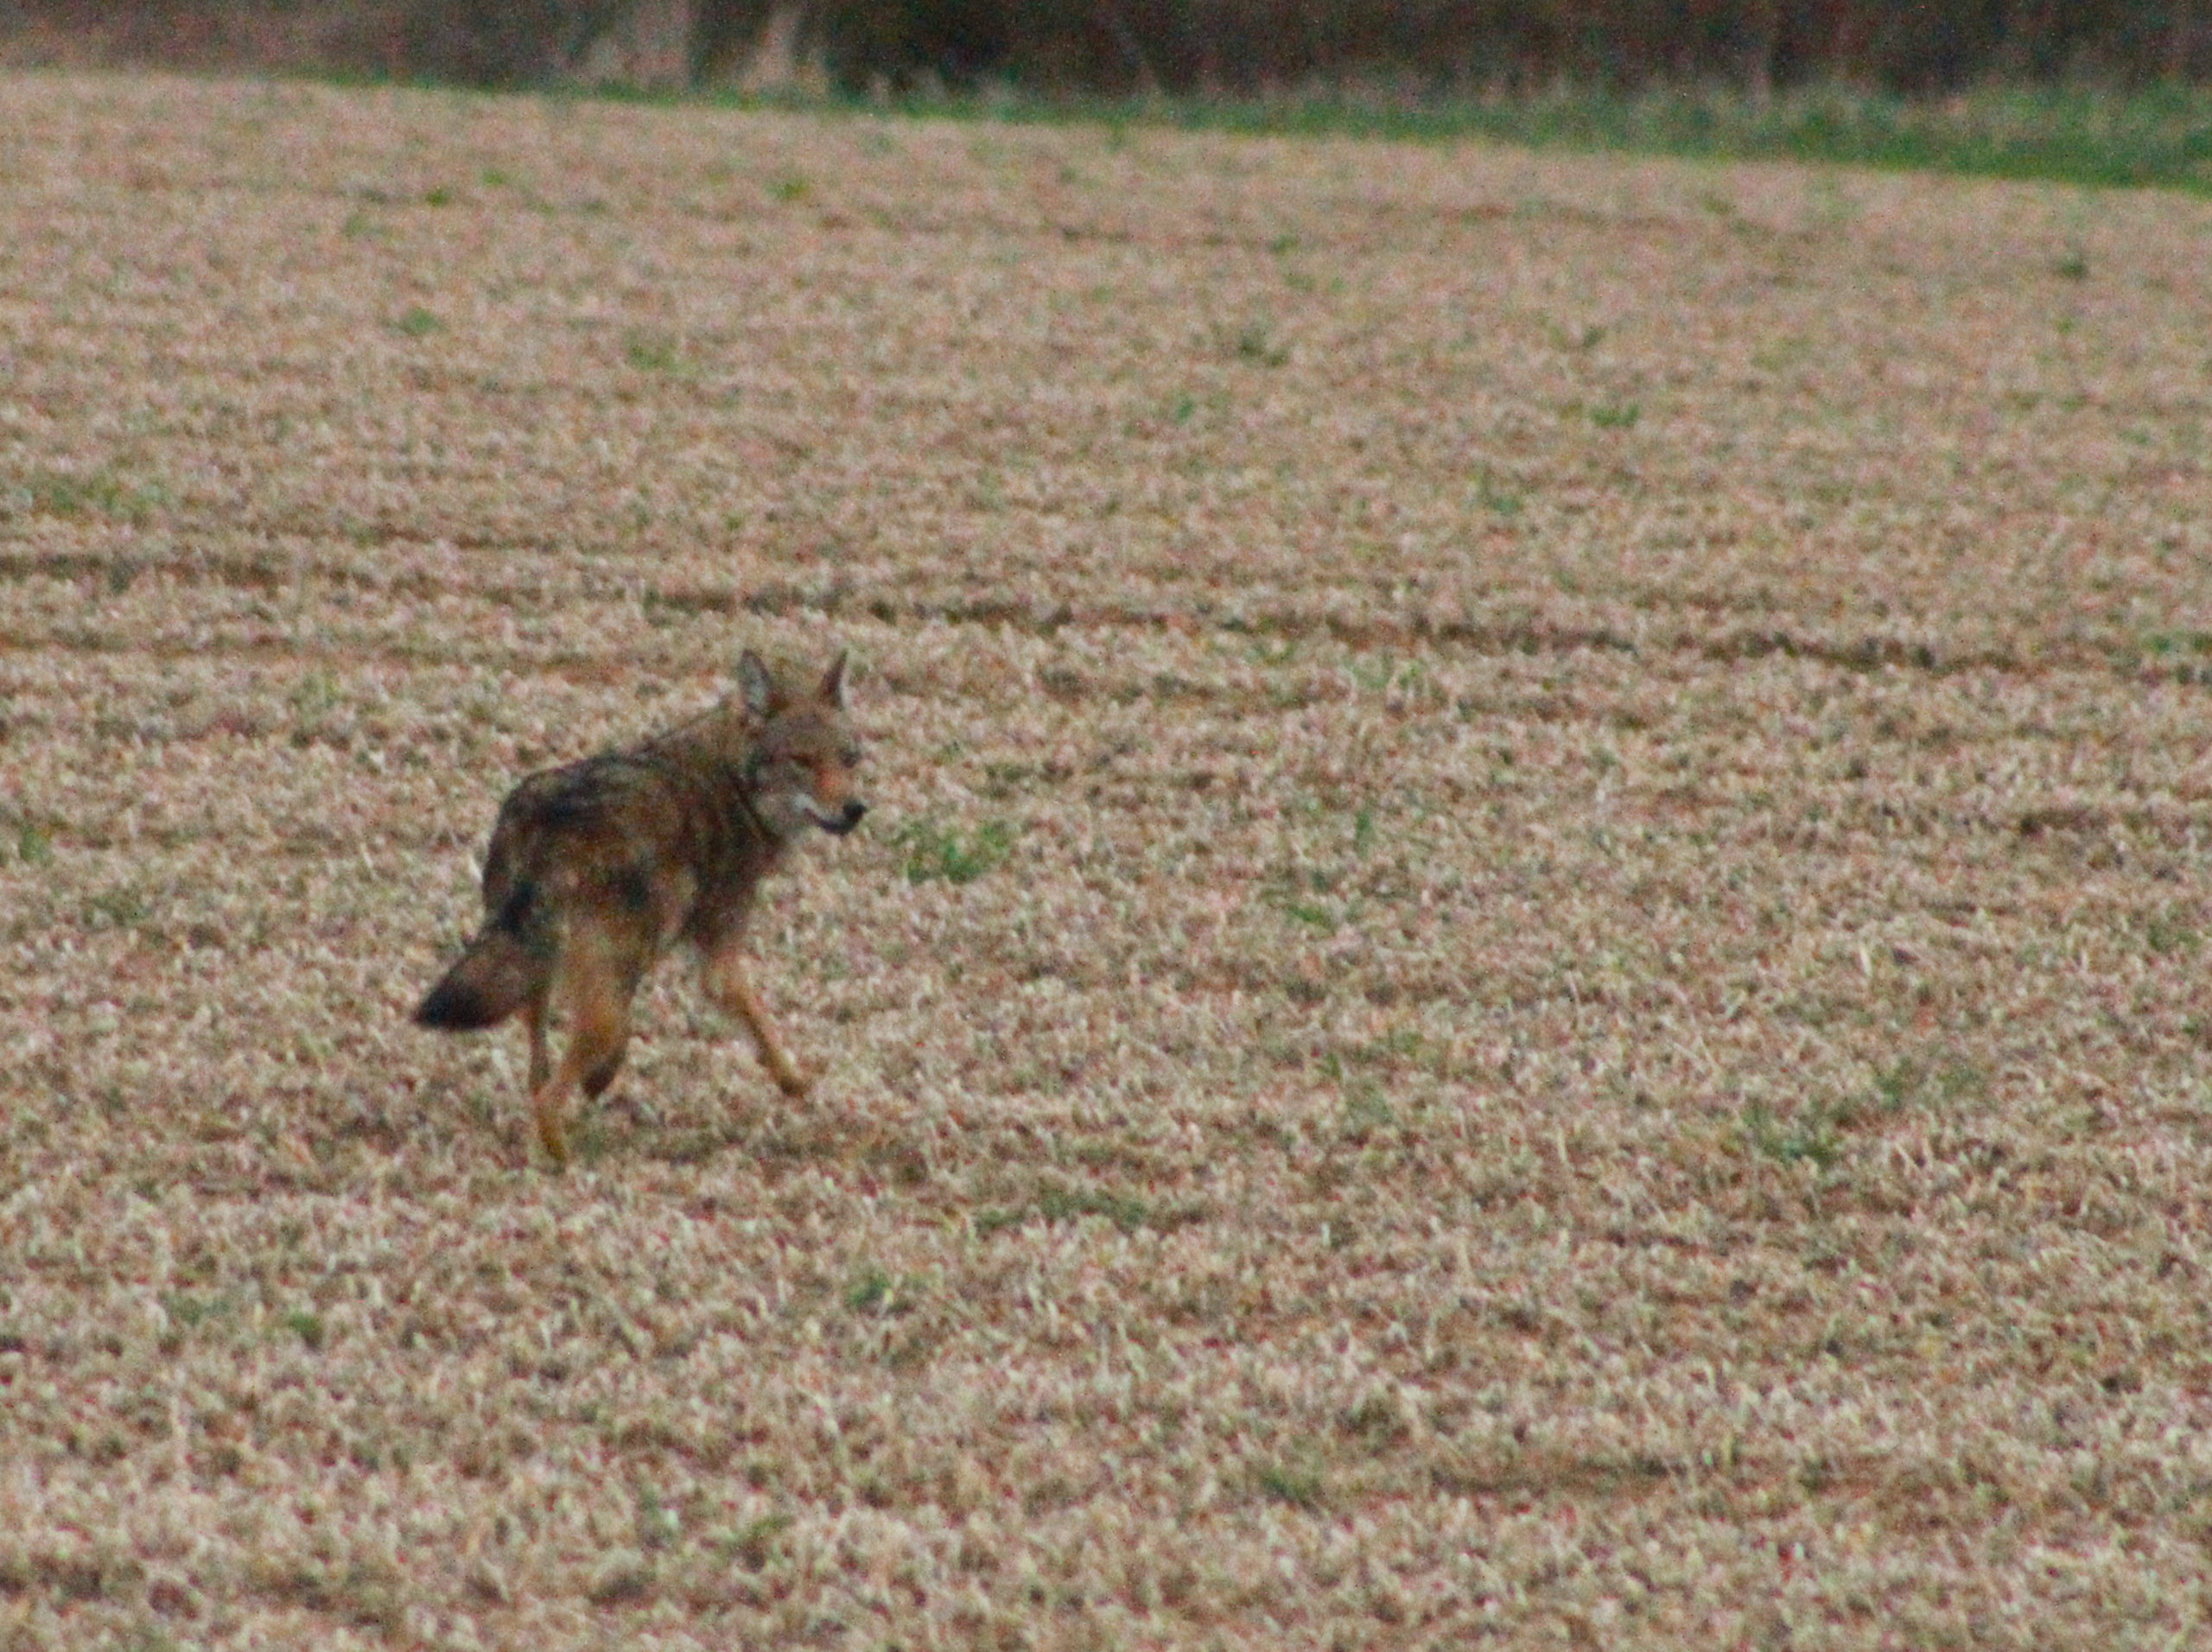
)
(851, 817)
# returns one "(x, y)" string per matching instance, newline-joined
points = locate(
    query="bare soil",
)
(1529, 969)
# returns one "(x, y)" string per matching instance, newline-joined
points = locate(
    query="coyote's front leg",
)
(723, 977)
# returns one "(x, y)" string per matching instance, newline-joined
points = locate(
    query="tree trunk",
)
(660, 44)
(2180, 41)
(1766, 31)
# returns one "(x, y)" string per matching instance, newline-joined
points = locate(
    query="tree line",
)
(1187, 47)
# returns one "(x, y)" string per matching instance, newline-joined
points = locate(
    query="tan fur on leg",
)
(599, 1014)
(725, 982)
(541, 1063)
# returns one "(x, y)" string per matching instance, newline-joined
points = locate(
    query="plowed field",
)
(1530, 967)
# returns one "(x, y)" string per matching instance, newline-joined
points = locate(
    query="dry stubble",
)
(1528, 967)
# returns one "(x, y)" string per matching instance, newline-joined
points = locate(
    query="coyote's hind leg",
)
(597, 1035)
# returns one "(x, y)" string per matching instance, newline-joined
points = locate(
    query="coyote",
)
(598, 868)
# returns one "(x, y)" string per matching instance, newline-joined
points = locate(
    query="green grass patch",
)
(308, 1326)
(1813, 1136)
(931, 851)
(124, 907)
(1125, 1211)
(33, 846)
(651, 353)
(2157, 136)
(188, 1311)
(753, 1544)
(97, 492)
(1056, 1202)
(2148, 136)
(1299, 1486)
(874, 1290)
(1937, 1080)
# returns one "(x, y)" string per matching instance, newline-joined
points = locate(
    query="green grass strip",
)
(2155, 137)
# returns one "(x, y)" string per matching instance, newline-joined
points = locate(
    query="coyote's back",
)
(597, 868)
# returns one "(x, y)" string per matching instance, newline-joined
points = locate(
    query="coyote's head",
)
(801, 770)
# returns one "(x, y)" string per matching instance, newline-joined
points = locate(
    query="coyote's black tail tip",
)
(495, 978)
(453, 1007)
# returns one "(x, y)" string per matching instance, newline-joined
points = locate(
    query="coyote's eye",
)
(850, 757)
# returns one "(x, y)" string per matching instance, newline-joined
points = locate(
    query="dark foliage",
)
(1114, 46)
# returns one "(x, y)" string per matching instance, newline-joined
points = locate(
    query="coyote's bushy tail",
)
(494, 978)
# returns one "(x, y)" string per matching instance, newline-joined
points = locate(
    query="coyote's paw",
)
(550, 1135)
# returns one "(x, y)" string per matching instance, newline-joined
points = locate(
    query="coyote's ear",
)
(833, 681)
(754, 683)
